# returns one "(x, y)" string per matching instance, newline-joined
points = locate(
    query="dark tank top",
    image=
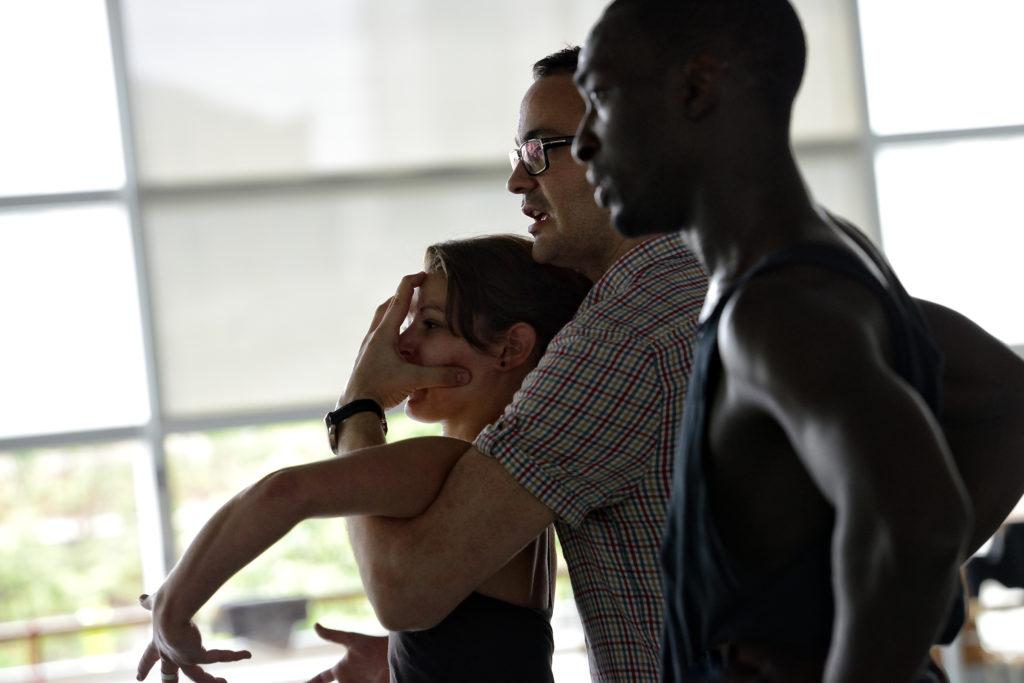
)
(711, 598)
(483, 639)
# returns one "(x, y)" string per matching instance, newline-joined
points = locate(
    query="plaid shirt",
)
(592, 434)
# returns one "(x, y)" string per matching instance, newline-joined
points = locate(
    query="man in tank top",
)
(820, 511)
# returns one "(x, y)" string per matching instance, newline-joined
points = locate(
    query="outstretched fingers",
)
(333, 635)
(195, 671)
(217, 656)
(322, 677)
(150, 657)
(197, 674)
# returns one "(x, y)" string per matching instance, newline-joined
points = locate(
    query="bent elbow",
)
(401, 618)
(400, 604)
(399, 611)
(278, 491)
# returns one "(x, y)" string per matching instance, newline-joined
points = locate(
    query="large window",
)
(201, 204)
(947, 129)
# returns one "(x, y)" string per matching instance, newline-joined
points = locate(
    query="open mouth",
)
(539, 218)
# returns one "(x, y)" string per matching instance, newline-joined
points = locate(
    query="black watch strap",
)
(360, 405)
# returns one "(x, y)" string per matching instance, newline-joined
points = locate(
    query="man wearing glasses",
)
(587, 444)
(984, 405)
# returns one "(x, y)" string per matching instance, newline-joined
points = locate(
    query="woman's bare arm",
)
(399, 479)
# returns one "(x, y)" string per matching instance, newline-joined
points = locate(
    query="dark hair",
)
(762, 38)
(493, 283)
(561, 63)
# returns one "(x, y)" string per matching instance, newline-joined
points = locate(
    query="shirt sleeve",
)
(580, 432)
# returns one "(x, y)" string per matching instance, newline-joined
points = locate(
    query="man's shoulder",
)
(658, 291)
(790, 324)
(665, 253)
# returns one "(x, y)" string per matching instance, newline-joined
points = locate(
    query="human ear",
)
(517, 346)
(698, 84)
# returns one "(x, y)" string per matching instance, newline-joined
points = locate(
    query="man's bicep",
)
(982, 377)
(982, 415)
(417, 570)
(484, 513)
(839, 415)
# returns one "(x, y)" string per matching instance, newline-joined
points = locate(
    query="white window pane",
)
(261, 300)
(59, 129)
(839, 181)
(943, 64)
(257, 88)
(953, 226)
(72, 347)
(828, 105)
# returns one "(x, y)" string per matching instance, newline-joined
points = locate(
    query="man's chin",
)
(627, 224)
(634, 224)
(540, 251)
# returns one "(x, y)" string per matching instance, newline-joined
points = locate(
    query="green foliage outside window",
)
(68, 541)
(69, 535)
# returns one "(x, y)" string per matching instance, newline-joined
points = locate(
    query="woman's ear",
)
(517, 346)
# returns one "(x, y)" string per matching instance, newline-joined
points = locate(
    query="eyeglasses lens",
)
(532, 153)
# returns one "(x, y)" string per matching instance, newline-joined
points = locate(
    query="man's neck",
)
(731, 233)
(738, 230)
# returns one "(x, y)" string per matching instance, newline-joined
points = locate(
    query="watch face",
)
(332, 438)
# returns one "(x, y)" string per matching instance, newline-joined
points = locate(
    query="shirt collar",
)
(630, 266)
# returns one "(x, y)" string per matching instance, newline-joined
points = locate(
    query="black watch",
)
(360, 405)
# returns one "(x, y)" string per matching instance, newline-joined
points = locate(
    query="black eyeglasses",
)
(534, 153)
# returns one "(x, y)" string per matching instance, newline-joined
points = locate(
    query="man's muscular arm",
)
(982, 416)
(416, 571)
(875, 453)
(983, 407)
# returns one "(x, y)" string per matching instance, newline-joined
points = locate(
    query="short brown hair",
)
(494, 283)
(561, 63)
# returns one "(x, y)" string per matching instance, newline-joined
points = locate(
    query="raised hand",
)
(366, 660)
(380, 372)
(180, 646)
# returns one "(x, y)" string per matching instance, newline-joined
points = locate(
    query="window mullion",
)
(151, 483)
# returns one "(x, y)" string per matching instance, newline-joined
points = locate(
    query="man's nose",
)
(520, 182)
(585, 143)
